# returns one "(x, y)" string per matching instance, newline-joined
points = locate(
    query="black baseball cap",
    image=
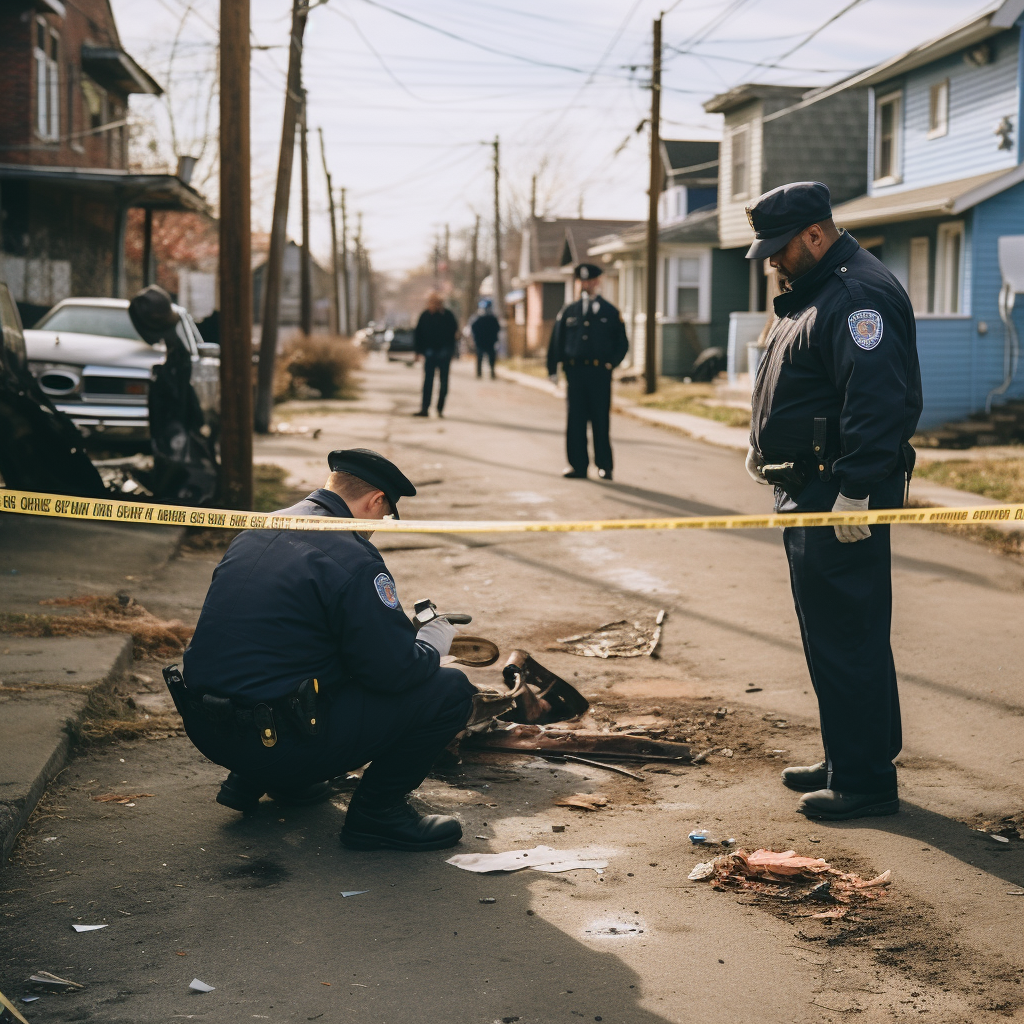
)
(152, 313)
(588, 271)
(783, 213)
(375, 470)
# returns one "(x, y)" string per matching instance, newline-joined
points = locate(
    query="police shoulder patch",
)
(866, 328)
(386, 590)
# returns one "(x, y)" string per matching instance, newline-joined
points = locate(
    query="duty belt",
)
(300, 707)
(588, 362)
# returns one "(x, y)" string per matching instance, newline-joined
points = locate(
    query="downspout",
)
(1011, 343)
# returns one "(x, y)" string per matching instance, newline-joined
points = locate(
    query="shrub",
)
(316, 366)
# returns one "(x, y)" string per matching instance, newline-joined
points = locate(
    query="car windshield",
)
(104, 321)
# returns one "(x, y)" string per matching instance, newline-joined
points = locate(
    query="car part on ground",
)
(620, 639)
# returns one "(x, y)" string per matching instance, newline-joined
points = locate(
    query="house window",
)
(552, 299)
(95, 100)
(949, 259)
(938, 110)
(47, 52)
(920, 274)
(740, 140)
(683, 287)
(887, 137)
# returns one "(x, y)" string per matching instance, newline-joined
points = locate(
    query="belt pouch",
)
(218, 709)
(264, 719)
(176, 685)
(303, 705)
(790, 476)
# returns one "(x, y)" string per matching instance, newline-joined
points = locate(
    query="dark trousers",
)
(401, 735)
(434, 362)
(590, 401)
(843, 595)
(481, 355)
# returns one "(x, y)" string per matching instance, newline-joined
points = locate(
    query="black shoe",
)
(238, 793)
(834, 806)
(422, 412)
(806, 780)
(398, 827)
(604, 474)
(440, 414)
(575, 474)
(302, 796)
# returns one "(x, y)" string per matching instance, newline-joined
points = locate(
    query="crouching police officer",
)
(836, 400)
(589, 340)
(304, 666)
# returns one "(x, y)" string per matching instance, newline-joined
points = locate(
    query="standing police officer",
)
(836, 401)
(589, 340)
(303, 666)
(485, 330)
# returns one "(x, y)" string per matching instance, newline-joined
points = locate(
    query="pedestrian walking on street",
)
(317, 670)
(589, 341)
(485, 329)
(436, 341)
(836, 401)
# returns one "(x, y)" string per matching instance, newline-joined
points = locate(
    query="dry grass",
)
(1001, 479)
(316, 366)
(110, 715)
(675, 396)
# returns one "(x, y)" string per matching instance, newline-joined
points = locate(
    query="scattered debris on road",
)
(541, 858)
(622, 639)
(533, 739)
(582, 801)
(88, 927)
(120, 798)
(200, 986)
(354, 892)
(52, 982)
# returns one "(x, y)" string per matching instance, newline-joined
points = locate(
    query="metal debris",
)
(582, 801)
(622, 639)
(550, 742)
(541, 858)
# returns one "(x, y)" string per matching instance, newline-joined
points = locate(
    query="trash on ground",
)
(354, 892)
(536, 739)
(120, 798)
(584, 801)
(541, 858)
(992, 835)
(622, 639)
(557, 828)
(573, 759)
(488, 899)
(609, 928)
(200, 986)
(701, 871)
(828, 915)
(52, 981)
(88, 927)
(698, 838)
(9, 1012)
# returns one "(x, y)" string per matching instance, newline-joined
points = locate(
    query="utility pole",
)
(335, 298)
(275, 256)
(499, 291)
(344, 266)
(579, 208)
(651, 319)
(305, 262)
(471, 284)
(359, 270)
(235, 277)
(533, 197)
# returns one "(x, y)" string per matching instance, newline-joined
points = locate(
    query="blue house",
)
(945, 184)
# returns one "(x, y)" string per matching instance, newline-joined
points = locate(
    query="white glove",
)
(851, 534)
(754, 465)
(438, 633)
(553, 378)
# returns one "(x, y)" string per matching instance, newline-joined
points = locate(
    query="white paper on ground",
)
(200, 986)
(88, 927)
(543, 858)
(354, 892)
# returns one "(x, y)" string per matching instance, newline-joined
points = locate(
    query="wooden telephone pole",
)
(499, 291)
(344, 266)
(306, 261)
(359, 270)
(234, 260)
(275, 256)
(335, 297)
(471, 284)
(651, 319)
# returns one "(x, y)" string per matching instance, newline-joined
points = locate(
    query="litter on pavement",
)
(583, 801)
(200, 986)
(541, 858)
(622, 639)
(354, 892)
(52, 981)
(88, 927)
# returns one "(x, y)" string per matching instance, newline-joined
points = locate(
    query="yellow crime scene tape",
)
(61, 506)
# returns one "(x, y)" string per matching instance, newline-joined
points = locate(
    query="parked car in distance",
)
(91, 363)
(401, 344)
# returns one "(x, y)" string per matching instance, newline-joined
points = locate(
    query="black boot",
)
(806, 780)
(302, 796)
(832, 805)
(396, 825)
(238, 793)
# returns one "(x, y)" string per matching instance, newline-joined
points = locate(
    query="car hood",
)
(90, 349)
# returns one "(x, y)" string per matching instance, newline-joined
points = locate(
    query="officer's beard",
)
(796, 266)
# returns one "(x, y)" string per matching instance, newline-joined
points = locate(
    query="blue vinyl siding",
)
(945, 349)
(979, 98)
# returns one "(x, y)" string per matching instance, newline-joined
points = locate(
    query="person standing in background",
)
(436, 342)
(485, 329)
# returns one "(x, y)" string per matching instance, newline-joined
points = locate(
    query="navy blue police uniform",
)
(485, 329)
(287, 608)
(588, 340)
(838, 395)
(436, 339)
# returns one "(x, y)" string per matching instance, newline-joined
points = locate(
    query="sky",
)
(410, 94)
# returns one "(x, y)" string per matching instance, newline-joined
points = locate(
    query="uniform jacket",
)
(599, 335)
(485, 330)
(435, 332)
(286, 605)
(844, 347)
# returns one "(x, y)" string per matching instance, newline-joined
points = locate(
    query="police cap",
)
(375, 470)
(588, 271)
(783, 213)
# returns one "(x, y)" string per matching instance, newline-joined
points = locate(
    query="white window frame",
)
(742, 130)
(47, 124)
(938, 109)
(893, 175)
(950, 263)
(919, 273)
(703, 284)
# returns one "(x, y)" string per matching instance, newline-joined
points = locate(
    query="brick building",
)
(65, 187)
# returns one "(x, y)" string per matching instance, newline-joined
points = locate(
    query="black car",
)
(402, 344)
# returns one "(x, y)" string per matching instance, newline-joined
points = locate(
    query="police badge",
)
(386, 589)
(866, 328)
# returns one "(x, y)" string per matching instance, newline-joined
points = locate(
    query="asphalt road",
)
(254, 907)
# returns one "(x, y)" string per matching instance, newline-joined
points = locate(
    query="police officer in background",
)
(589, 341)
(485, 330)
(303, 666)
(836, 401)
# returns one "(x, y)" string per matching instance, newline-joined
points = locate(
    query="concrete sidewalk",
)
(45, 682)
